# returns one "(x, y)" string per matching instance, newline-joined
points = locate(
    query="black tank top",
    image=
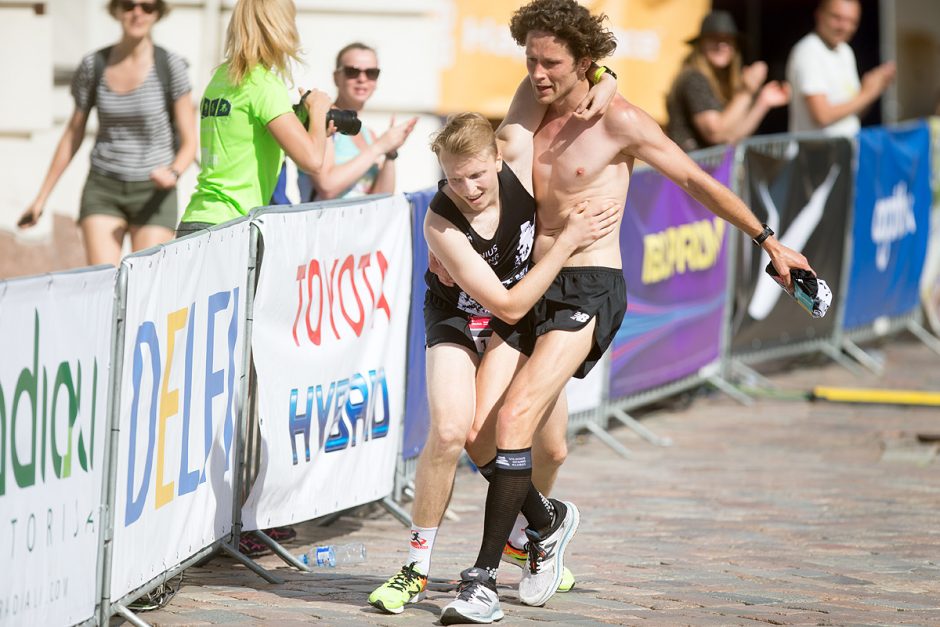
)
(509, 252)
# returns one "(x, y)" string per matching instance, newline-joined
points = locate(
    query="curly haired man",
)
(574, 160)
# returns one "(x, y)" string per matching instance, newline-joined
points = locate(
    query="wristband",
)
(599, 73)
(175, 173)
(391, 155)
(763, 235)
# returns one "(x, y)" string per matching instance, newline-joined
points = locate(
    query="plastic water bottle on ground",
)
(334, 555)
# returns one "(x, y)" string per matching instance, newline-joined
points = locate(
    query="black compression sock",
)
(537, 509)
(487, 469)
(507, 492)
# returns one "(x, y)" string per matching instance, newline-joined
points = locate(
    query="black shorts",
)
(575, 296)
(444, 323)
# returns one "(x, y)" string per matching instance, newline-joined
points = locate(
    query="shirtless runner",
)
(574, 160)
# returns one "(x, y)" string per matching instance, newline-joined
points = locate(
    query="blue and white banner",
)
(328, 342)
(180, 402)
(417, 414)
(55, 356)
(892, 223)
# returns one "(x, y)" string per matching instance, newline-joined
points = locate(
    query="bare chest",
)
(571, 157)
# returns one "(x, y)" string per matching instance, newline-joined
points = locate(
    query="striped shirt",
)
(134, 132)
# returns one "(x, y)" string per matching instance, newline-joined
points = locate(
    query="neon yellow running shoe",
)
(519, 557)
(406, 586)
(567, 580)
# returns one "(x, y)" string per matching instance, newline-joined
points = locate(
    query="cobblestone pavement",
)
(788, 513)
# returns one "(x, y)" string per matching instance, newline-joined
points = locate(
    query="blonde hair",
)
(464, 135)
(261, 32)
(724, 83)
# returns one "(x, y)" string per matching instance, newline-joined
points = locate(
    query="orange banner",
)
(485, 65)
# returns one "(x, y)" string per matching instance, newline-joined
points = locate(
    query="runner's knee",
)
(512, 419)
(447, 441)
(552, 453)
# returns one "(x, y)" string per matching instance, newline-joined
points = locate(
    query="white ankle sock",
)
(518, 538)
(420, 547)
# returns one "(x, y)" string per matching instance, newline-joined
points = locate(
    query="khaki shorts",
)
(138, 203)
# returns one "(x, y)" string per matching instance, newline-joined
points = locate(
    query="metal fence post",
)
(109, 471)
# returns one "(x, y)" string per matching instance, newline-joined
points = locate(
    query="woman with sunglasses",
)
(142, 94)
(714, 100)
(356, 165)
(247, 120)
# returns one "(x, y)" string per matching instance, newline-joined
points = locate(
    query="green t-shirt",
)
(240, 159)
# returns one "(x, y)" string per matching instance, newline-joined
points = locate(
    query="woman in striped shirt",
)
(146, 138)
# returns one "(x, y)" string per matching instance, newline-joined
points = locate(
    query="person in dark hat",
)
(714, 99)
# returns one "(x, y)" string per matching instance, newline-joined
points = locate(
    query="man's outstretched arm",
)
(644, 139)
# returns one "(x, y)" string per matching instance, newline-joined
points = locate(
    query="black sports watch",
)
(767, 232)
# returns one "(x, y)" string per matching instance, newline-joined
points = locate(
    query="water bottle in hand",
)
(334, 555)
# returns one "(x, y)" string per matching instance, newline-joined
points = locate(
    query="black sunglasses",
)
(351, 71)
(146, 7)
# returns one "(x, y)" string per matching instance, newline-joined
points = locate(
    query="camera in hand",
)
(345, 121)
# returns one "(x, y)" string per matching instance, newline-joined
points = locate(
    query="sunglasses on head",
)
(351, 71)
(146, 7)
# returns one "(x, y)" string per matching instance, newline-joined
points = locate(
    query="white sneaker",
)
(543, 574)
(476, 602)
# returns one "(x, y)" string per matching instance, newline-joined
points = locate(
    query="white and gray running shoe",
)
(543, 574)
(476, 602)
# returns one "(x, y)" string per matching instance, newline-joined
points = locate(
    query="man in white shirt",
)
(827, 92)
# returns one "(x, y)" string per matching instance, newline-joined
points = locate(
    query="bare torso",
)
(577, 161)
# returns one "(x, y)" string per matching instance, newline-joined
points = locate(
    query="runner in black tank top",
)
(452, 315)
(481, 190)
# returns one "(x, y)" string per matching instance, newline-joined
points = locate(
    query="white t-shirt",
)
(814, 68)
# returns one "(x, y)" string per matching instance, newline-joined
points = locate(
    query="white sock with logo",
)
(518, 537)
(420, 547)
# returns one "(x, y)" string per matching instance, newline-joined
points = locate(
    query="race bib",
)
(480, 331)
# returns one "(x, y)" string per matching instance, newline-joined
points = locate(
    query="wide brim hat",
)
(717, 23)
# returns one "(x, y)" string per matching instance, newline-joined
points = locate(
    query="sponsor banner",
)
(179, 402)
(483, 66)
(417, 415)
(55, 356)
(329, 344)
(892, 222)
(930, 281)
(675, 265)
(801, 189)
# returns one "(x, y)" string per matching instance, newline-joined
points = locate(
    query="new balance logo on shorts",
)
(580, 316)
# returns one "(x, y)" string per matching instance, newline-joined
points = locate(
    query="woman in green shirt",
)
(247, 123)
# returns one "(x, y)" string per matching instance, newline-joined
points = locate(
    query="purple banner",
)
(675, 266)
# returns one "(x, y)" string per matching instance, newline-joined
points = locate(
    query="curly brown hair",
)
(567, 20)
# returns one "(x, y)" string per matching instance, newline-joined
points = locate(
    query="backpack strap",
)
(101, 61)
(161, 61)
